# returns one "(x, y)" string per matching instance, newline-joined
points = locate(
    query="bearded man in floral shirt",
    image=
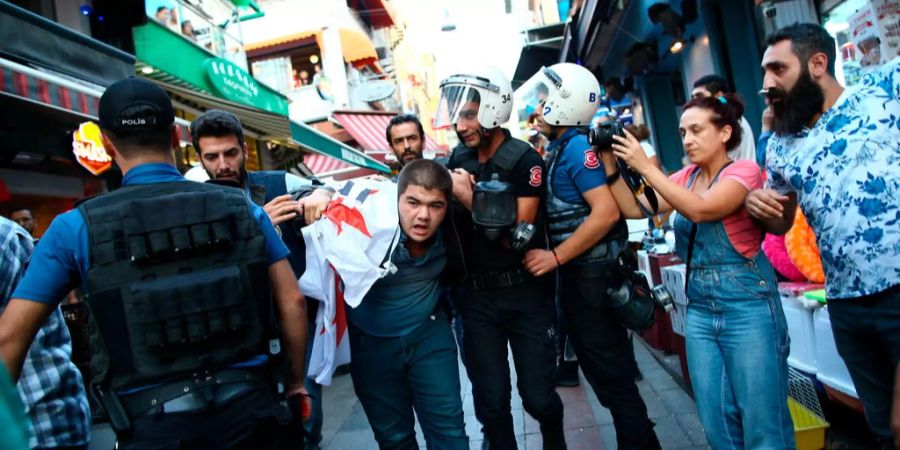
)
(836, 152)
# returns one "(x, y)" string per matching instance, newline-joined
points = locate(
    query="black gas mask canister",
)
(494, 207)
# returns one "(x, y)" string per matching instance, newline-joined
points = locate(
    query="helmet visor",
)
(530, 96)
(458, 101)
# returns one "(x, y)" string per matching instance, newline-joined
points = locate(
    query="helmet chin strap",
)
(485, 135)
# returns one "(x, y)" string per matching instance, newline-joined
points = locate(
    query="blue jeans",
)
(394, 375)
(737, 349)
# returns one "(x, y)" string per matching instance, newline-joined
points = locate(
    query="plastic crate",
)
(830, 368)
(803, 335)
(809, 429)
(806, 412)
(673, 280)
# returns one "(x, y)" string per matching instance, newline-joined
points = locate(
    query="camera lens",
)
(602, 135)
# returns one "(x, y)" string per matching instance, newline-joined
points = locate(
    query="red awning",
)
(57, 92)
(323, 165)
(369, 127)
(49, 89)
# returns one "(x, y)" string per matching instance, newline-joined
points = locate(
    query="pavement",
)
(588, 425)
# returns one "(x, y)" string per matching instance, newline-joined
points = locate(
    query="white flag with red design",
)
(346, 252)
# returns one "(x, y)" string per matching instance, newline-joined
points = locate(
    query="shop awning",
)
(268, 126)
(310, 138)
(59, 92)
(358, 49)
(324, 166)
(49, 89)
(369, 128)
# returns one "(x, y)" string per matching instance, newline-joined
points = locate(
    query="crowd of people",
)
(201, 336)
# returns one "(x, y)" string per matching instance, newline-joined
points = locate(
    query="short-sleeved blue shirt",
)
(61, 261)
(577, 169)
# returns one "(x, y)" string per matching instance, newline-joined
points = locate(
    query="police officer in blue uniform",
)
(218, 138)
(180, 279)
(586, 236)
(506, 305)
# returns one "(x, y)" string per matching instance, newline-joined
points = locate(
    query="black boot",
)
(554, 438)
(567, 374)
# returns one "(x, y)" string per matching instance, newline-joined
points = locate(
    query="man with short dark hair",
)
(218, 138)
(716, 86)
(836, 153)
(180, 278)
(406, 137)
(404, 355)
(24, 217)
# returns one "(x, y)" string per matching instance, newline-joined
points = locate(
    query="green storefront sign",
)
(230, 81)
(173, 56)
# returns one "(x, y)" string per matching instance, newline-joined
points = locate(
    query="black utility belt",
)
(604, 269)
(199, 388)
(500, 279)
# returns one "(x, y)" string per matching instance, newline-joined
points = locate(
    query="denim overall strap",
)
(693, 236)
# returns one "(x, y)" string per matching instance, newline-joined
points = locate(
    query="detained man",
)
(404, 355)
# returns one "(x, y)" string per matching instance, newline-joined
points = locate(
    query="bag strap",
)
(638, 186)
(693, 236)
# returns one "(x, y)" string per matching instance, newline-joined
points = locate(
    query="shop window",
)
(289, 71)
(867, 34)
(252, 162)
(44, 209)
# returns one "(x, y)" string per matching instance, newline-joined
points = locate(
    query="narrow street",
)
(588, 424)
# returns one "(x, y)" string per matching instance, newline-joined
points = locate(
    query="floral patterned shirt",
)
(846, 173)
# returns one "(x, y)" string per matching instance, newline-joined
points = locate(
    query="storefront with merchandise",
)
(867, 33)
(51, 79)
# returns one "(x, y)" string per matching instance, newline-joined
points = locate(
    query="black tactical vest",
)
(482, 253)
(563, 218)
(178, 282)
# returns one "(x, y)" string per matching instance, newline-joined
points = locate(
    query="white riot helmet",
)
(569, 94)
(485, 85)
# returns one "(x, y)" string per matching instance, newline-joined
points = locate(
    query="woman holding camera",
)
(736, 334)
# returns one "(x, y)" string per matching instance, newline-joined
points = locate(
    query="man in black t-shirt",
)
(506, 305)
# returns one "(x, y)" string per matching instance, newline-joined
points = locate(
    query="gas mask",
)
(494, 207)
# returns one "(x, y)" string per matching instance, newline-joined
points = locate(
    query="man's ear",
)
(108, 146)
(244, 149)
(176, 139)
(818, 65)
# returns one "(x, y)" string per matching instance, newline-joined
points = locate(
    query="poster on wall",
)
(876, 32)
(887, 12)
(866, 37)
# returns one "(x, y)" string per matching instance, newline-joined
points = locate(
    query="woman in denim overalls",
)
(736, 334)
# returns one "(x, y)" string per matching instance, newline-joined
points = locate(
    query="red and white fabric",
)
(346, 252)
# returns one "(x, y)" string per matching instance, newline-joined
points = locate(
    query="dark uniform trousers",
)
(522, 316)
(254, 420)
(606, 357)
